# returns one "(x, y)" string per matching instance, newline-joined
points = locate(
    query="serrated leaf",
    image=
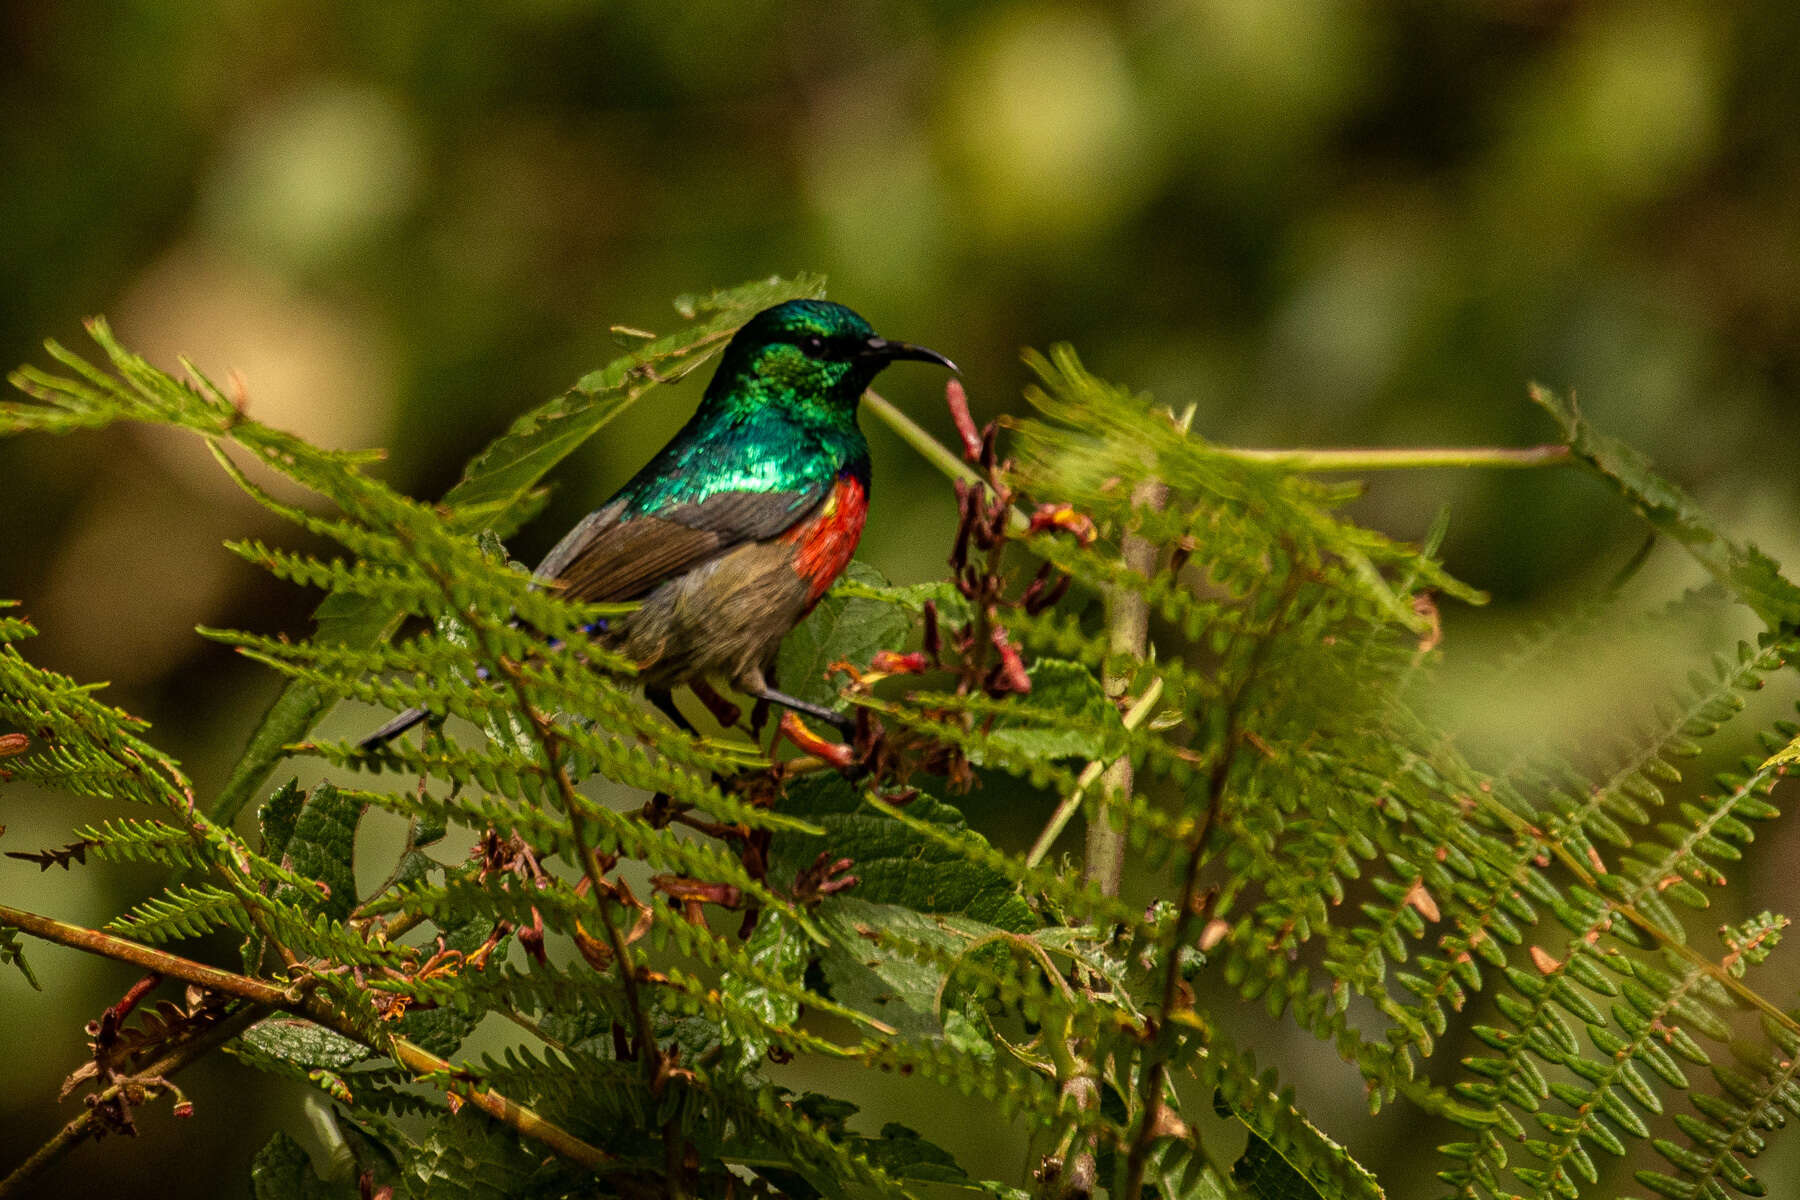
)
(304, 1044)
(1290, 1158)
(781, 947)
(514, 463)
(470, 1157)
(893, 865)
(1265, 1175)
(902, 1153)
(879, 980)
(321, 847)
(281, 1170)
(1065, 715)
(277, 816)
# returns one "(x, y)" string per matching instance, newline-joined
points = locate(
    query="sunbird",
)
(738, 526)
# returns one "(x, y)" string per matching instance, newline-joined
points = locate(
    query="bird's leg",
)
(661, 803)
(845, 725)
(724, 711)
(759, 712)
(665, 703)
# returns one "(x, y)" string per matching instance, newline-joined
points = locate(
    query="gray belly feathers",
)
(724, 618)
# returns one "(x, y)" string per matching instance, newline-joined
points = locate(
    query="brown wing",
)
(611, 558)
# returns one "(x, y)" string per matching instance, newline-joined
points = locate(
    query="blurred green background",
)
(1319, 222)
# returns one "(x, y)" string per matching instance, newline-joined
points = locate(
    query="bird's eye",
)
(812, 345)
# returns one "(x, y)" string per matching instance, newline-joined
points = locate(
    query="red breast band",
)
(828, 539)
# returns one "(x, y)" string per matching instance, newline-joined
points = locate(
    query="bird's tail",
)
(393, 729)
(409, 718)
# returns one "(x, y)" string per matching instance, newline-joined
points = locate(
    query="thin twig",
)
(81, 1128)
(936, 453)
(266, 998)
(572, 802)
(649, 1053)
(171, 966)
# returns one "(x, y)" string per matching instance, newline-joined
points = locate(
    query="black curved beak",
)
(884, 351)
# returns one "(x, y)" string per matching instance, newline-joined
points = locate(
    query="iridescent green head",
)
(811, 356)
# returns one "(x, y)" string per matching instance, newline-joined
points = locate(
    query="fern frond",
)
(184, 912)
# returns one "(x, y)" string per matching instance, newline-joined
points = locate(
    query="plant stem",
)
(1188, 906)
(171, 966)
(1399, 458)
(915, 435)
(1134, 716)
(936, 453)
(1128, 639)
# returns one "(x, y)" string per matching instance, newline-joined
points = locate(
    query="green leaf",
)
(301, 1043)
(1265, 1175)
(891, 986)
(846, 627)
(901, 1152)
(514, 463)
(893, 865)
(782, 947)
(1290, 1158)
(1065, 715)
(282, 1171)
(952, 606)
(415, 864)
(1180, 1175)
(277, 817)
(321, 847)
(470, 1157)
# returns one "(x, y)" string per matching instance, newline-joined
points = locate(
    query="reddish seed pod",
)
(934, 638)
(958, 402)
(834, 753)
(890, 662)
(1011, 673)
(959, 549)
